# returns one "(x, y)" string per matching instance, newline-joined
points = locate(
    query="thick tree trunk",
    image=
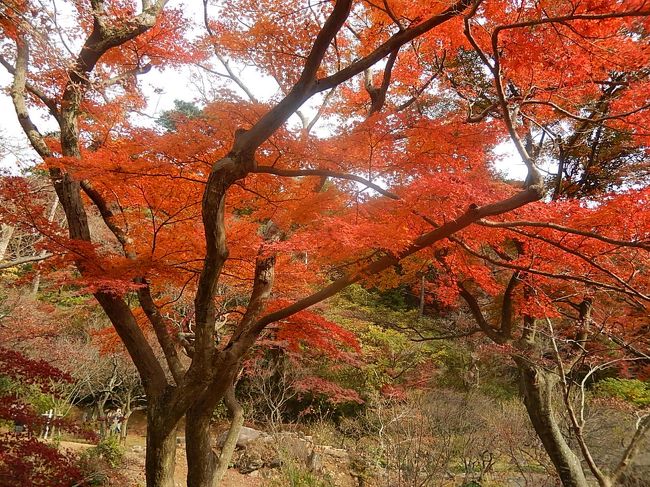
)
(161, 448)
(201, 458)
(537, 387)
(202, 461)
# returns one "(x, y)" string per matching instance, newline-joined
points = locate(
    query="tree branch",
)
(564, 277)
(162, 333)
(50, 103)
(18, 98)
(473, 214)
(525, 223)
(323, 173)
(585, 119)
(396, 41)
(483, 324)
(231, 74)
(588, 259)
(24, 260)
(632, 450)
(506, 307)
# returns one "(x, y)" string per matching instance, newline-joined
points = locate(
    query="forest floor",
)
(133, 467)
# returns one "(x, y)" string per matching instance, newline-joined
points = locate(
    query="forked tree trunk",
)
(537, 386)
(161, 448)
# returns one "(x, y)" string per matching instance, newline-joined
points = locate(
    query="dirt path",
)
(133, 467)
(134, 470)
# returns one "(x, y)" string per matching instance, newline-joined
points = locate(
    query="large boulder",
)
(246, 435)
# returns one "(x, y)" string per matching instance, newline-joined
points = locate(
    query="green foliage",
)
(169, 118)
(396, 299)
(108, 449)
(65, 297)
(29, 394)
(632, 391)
(392, 361)
(293, 475)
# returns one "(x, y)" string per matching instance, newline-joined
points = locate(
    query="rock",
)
(246, 435)
(250, 463)
(334, 452)
(180, 441)
(315, 462)
(256, 454)
(260, 455)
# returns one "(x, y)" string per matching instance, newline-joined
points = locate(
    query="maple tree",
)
(24, 458)
(240, 200)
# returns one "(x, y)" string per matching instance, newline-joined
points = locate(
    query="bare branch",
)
(480, 319)
(50, 103)
(160, 327)
(18, 98)
(324, 173)
(525, 223)
(24, 260)
(632, 449)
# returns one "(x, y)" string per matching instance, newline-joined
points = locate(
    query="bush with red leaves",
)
(24, 460)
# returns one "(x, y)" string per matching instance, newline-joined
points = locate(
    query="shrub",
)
(293, 475)
(632, 391)
(110, 450)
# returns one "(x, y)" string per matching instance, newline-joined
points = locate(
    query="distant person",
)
(116, 424)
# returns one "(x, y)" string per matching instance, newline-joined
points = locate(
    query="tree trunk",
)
(202, 461)
(229, 445)
(161, 448)
(125, 424)
(101, 416)
(201, 458)
(537, 388)
(50, 218)
(6, 231)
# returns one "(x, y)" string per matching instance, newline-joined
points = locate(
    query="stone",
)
(334, 452)
(246, 435)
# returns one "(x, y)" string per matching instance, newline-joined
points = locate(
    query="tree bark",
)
(537, 387)
(237, 421)
(201, 458)
(125, 424)
(202, 461)
(6, 231)
(161, 447)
